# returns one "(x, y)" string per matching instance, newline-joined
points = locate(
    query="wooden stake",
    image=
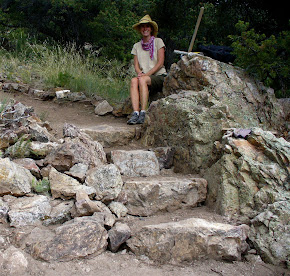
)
(195, 30)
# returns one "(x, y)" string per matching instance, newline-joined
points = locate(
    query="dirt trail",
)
(80, 114)
(124, 263)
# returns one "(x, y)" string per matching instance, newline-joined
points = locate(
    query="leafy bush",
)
(266, 58)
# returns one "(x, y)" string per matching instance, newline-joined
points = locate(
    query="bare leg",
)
(134, 93)
(144, 81)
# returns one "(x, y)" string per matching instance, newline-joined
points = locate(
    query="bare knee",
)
(144, 80)
(134, 82)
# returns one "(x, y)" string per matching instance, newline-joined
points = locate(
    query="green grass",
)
(47, 67)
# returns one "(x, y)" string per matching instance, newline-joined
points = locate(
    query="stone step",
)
(188, 240)
(112, 135)
(150, 195)
(134, 163)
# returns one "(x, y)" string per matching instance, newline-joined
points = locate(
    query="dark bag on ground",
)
(221, 53)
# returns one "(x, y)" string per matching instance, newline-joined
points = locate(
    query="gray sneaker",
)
(133, 120)
(141, 118)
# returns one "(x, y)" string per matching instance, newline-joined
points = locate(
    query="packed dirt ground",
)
(124, 262)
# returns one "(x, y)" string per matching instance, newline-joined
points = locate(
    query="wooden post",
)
(195, 30)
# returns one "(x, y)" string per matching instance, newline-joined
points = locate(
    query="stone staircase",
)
(164, 208)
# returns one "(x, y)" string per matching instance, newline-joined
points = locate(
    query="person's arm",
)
(160, 62)
(137, 66)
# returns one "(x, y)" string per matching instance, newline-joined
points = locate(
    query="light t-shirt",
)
(145, 62)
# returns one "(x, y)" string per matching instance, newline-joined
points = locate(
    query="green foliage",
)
(52, 66)
(107, 26)
(41, 186)
(20, 149)
(266, 58)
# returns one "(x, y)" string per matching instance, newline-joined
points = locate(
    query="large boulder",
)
(203, 97)
(189, 240)
(251, 182)
(14, 179)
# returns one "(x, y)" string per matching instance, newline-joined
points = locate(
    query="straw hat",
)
(147, 19)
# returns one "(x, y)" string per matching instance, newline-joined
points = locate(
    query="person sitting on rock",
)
(149, 66)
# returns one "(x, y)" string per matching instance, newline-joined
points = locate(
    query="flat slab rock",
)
(147, 196)
(189, 240)
(136, 162)
(74, 239)
(110, 136)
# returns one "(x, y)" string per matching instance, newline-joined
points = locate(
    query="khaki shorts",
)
(156, 83)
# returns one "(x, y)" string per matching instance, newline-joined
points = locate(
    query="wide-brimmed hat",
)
(146, 20)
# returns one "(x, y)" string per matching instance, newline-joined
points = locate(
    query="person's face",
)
(146, 30)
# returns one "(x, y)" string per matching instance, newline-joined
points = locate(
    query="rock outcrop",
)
(251, 182)
(205, 96)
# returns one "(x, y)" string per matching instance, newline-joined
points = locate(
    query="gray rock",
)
(147, 196)
(78, 147)
(15, 179)
(3, 211)
(77, 238)
(15, 87)
(14, 262)
(66, 187)
(189, 240)
(164, 156)
(60, 212)
(40, 134)
(118, 208)
(118, 235)
(28, 210)
(106, 180)
(78, 171)
(103, 108)
(136, 162)
(270, 233)
(28, 164)
(111, 136)
(42, 149)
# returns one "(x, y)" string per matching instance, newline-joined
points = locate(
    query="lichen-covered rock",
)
(28, 210)
(14, 179)
(270, 233)
(251, 182)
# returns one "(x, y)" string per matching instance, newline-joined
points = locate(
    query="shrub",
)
(41, 186)
(266, 58)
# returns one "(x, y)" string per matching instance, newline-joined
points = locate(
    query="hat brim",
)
(152, 23)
